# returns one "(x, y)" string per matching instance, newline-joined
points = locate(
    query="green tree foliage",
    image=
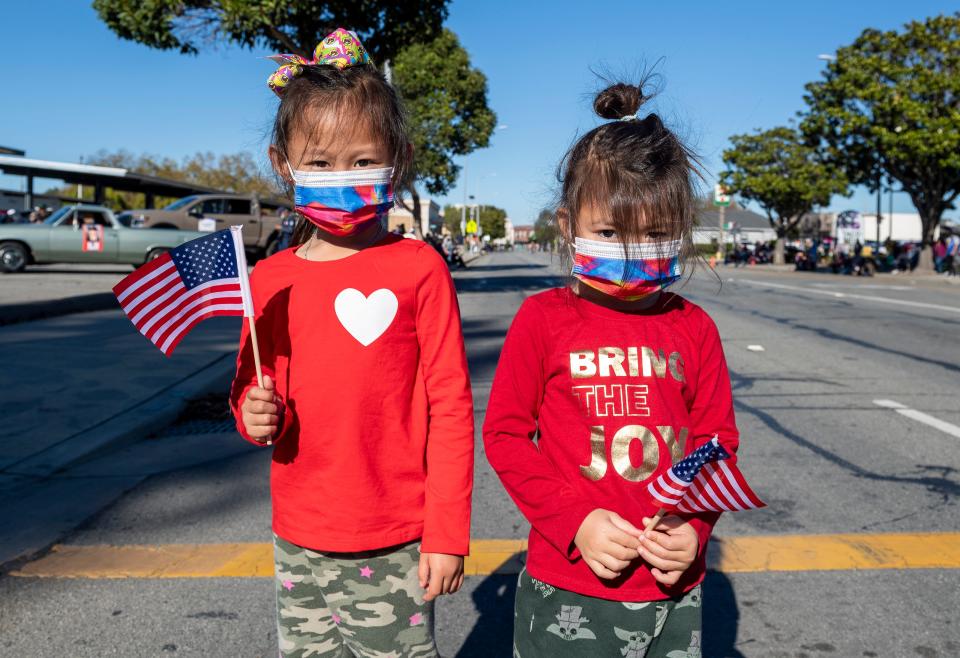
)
(451, 220)
(545, 229)
(232, 172)
(288, 26)
(447, 101)
(888, 105)
(493, 221)
(782, 174)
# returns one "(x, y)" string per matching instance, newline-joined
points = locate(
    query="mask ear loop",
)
(293, 176)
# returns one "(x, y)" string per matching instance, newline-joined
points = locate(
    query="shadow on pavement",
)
(498, 268)
(721, 616)
(507, 283)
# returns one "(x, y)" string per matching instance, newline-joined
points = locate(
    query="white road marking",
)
(755, 348)
(920, 417)
(869, 298)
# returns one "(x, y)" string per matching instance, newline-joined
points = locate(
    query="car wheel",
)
(154, 254)
(13, 257)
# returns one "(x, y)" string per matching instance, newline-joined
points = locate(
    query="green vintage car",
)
(84, 234)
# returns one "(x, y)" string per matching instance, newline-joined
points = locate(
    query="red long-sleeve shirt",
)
(613, 398)
(376, 444)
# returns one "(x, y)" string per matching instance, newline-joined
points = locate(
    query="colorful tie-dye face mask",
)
(629, 274)
(343, 202)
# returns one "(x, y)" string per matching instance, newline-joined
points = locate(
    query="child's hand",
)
(260, 411)
(669, 549)
(607, 542)
(440, 574)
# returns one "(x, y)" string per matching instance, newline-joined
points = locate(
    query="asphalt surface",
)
(815, 445)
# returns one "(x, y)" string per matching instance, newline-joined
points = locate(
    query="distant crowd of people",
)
(35, 216)
(862, 259)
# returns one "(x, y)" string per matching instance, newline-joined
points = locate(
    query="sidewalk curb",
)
(133, 423)
(51, 308)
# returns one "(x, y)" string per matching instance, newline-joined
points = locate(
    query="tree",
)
(545, 229)
(493, 221)
(451, 220)
(888, 106)
(234, 172)
(287, 26)
(785, 176)
(447, 101)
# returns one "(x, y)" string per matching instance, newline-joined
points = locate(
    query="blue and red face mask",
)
(343, 202)
(628, 272)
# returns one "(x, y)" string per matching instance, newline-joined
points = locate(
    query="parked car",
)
(84, 233)
(260, 218)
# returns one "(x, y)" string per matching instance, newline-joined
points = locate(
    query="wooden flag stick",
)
(256, 357)
(256, 350)
(654, 521)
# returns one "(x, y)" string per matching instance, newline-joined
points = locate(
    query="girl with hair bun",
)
(617, 379)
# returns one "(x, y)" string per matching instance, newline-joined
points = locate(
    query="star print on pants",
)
(366, 572)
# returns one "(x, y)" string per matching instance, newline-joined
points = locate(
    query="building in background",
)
(741, 225)
(430, 220)
(522, 234)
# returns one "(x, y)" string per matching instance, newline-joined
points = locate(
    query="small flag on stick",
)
(197, 280)
(703, 482)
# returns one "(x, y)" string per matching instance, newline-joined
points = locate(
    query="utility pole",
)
(721, 199)
(463, 210)
(879, 202)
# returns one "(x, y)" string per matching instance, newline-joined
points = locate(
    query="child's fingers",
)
(268, 382)
(457, 584)
(621, 537)
(666, 577)
(624, 525)
(601, 571)
(423, 571)
(435, 588)
(612, 563)
(261, 420)
(262, 407)
(620, 551)
(664, 564)
(657, 539)
(257, 393)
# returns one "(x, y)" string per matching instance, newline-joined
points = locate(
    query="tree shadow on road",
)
(507, 283)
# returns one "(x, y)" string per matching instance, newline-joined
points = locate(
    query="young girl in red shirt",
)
(366, 398)
(617, 380)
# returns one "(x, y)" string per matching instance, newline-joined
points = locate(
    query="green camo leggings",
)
(365, 604)
(551, 622)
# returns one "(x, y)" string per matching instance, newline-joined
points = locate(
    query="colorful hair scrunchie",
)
(341, 49)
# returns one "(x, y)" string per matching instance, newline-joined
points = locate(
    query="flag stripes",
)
(168, 296)
(719, 488)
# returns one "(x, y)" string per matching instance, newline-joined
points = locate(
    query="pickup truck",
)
(260, 218)
(84, 233)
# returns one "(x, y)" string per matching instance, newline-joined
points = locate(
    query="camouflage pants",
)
(365, 604)
(554, 622)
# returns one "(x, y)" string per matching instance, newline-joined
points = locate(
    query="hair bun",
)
(619, 100)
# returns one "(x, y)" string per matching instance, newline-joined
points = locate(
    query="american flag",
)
(192, 282)
(704, 482)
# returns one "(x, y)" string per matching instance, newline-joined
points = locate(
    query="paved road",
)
(816, 445)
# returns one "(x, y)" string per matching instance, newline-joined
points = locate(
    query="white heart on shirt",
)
(366, 318)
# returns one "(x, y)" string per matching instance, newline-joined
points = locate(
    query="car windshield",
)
(57, 216)
(180, 203)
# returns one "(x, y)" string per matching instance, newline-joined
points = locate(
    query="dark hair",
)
(351, 94)
(635, 168)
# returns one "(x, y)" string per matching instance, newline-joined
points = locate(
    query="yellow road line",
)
(754, 554)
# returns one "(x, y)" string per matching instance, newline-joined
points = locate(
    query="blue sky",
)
(71, 87)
